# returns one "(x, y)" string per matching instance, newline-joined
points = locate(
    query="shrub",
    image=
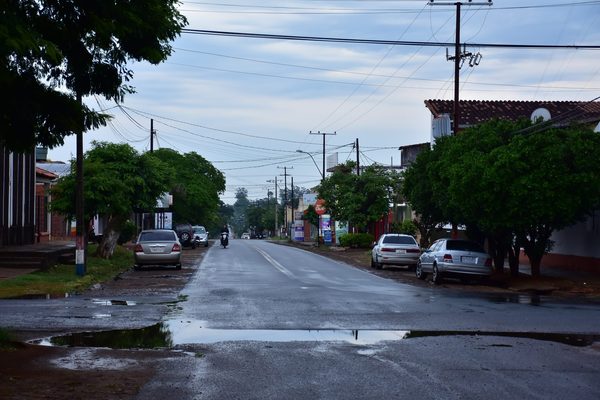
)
(406, 227)
(357, 240)
(128, 232)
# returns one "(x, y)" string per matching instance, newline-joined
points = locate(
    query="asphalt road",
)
(275, 322)
(263, 321)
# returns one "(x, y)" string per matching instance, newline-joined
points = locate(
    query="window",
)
(399, 240)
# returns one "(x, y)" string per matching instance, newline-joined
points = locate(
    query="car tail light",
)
(448, 258)
(488, 262)
(138, 248)
(176, 247)
(388, 249)
(413, 251)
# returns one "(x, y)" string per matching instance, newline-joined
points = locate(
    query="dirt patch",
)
(43, 372)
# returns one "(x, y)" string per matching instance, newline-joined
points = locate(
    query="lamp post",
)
(322, 179)
(313, 160)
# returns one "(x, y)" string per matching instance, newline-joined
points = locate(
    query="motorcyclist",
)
(224, 236)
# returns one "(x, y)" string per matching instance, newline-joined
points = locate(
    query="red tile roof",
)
(42, 173)
(473, 112)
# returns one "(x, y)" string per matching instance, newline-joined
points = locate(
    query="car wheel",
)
(373, 264)
(419, 271)
(185, 237)
(436, 278)
(206, 244)
(136, 267)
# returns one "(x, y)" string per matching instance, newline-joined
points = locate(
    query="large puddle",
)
(180, 332)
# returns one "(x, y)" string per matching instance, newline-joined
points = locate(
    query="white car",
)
(395, 249)
(245, 236)
(454, 257)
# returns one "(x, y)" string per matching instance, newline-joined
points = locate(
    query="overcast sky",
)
(247, 104)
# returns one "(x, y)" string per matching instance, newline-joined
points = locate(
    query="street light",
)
(313, 159)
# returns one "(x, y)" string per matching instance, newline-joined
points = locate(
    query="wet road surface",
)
(260, 321)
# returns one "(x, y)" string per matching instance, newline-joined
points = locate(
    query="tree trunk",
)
(536, 244)
(513, 257)
(110, 237)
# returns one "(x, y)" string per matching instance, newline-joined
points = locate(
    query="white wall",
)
(582, 239)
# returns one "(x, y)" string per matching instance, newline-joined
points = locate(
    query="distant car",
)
(200, 235)
(185, 233)
(157, 247)
(245, 236)
(454, 258)
(395, 249)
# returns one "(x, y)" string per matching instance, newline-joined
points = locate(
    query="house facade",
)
(577, 246)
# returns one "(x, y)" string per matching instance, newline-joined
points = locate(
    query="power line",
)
(385, 42)
(412, 78)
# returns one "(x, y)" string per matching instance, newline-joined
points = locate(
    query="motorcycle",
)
(224, 239)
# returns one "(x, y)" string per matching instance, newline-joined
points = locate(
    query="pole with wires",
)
(357, 159)
(324, 134)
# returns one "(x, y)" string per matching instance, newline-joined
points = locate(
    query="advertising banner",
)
(299, 231)
(326, 228)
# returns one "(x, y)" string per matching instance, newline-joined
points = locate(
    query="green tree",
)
(56, 51)
(117, 180)
(358, 199)
(513, 184)
(195, 185)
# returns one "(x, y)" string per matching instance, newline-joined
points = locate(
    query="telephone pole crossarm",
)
(324, 134)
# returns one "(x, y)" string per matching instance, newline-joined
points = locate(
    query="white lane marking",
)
(274, 263)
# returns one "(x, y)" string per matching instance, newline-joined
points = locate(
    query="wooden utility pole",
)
(357, 158)
(458, 56)
(324, 134)
(285, 175)
(80, 228)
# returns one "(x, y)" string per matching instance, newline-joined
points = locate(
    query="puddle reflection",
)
(183, 332)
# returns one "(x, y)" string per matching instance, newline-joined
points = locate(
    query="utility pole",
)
(80, 229)
(151, 135)
(459, 57)
(324, 134)
(357, 159)
(293, 217)
(285, 175)
(152, 214)
(276, 200)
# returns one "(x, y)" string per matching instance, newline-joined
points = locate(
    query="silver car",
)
(395, 249)
(454, 258)
(157, 247)
(200, 235)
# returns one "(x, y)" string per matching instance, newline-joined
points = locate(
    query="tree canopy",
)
(516, 188)
(358, 199)
(118, 180)
(195, 186)
(54, 52)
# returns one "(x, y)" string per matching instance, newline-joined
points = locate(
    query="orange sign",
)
(320, 207)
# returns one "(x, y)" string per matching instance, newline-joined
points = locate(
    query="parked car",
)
(157, 247)
(395, 249)
(185, 233)
(245, 235)
(200, 235)
(454, 258)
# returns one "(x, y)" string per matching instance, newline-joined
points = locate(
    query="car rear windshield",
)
(399, 240)
(463, 245)
(157, 236)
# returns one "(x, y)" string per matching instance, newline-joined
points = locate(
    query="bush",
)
(406, 227)
(128, 232)
(357, 240)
